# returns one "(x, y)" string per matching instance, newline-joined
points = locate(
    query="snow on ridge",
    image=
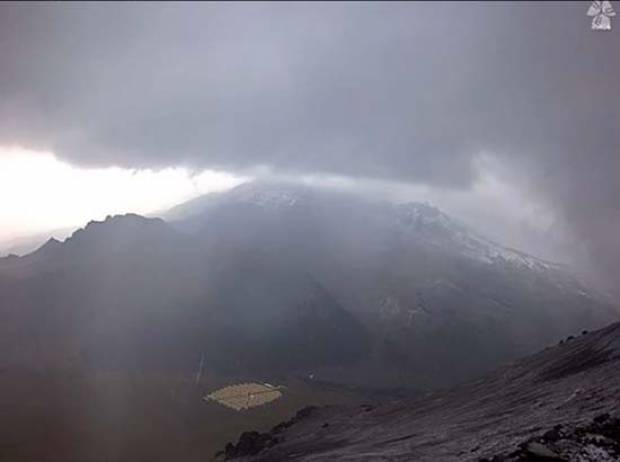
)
(435, 226)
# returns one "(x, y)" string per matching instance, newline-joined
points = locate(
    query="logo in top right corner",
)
(601, 12)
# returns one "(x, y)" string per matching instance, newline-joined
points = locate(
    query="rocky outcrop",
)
(596, 441)
(251, 443)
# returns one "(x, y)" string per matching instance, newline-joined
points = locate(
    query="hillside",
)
(559, 404)
(285, 279)
(334, 295)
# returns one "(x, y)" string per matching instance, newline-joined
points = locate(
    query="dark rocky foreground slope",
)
(560, 404)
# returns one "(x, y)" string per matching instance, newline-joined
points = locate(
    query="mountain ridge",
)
(412, 287)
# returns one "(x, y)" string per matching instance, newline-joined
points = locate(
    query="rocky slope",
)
(560, 404)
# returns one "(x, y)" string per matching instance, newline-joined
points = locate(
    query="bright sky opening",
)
(41, 193)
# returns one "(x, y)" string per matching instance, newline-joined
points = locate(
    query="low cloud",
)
(393, 92)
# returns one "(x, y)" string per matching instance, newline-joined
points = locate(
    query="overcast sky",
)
(505, 114)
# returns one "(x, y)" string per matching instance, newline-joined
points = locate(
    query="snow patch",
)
(437, 228)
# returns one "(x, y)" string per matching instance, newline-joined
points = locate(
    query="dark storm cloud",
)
(409, 92)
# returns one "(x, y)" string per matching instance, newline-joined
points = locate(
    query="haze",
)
(43, 194)
(383, 230)
(389, 92)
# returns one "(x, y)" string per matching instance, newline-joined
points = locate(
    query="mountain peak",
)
(269, 194)
(126, 218)
(422, 213)
(51, 244)
(119, 222)
(115, 230)
(51, 247)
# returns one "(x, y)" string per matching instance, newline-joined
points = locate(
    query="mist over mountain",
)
(281, 278)
(407, 210)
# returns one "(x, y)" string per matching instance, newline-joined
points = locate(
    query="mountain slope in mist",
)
(277, 278)
(441, 302)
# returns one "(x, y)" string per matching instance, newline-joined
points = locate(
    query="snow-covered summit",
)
(423, 222)
(268, 195)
